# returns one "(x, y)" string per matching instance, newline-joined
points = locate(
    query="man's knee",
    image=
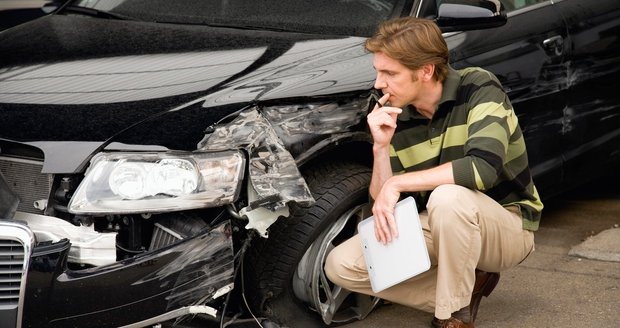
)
(343, 266)
(331, 266)
(446, 195)
(449, 202)
(334, 270)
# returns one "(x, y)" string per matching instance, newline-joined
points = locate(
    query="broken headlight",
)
(158, 182)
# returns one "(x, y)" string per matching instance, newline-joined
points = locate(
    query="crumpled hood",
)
(67, 79)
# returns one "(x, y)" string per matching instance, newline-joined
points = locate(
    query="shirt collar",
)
(450, 86)
(448, 93)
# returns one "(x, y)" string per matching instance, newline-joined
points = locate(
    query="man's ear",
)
(428, 70)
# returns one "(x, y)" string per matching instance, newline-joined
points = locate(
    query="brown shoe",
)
(437, 323)
(484, 285)
(459, 315)
(453, 323)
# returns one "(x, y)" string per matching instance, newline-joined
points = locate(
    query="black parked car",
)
(167, 158)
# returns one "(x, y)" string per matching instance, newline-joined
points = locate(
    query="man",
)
(452, 139)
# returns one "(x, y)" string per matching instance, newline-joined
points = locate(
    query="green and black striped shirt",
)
(477, 130)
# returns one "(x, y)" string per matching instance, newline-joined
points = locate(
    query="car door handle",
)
(554, 45)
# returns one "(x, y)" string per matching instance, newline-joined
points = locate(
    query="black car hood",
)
(74, 79)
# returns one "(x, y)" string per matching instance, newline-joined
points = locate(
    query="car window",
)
(511, 5)
(339, 17)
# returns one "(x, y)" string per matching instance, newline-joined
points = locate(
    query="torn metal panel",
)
(318, 118)
(273, 172)
(261, 218)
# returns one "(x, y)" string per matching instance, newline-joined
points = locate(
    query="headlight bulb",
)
(128, 180)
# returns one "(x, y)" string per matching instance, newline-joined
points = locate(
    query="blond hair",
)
(414, 42)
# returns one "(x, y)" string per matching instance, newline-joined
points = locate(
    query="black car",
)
(166, 159)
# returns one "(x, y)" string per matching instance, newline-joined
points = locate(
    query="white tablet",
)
(405, 257)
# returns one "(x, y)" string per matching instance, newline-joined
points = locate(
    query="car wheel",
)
(285, 273)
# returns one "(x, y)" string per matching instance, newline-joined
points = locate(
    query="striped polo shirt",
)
(477, 130)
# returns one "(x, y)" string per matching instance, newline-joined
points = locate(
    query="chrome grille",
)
(26, 180)
(16, 245)
(11, 270)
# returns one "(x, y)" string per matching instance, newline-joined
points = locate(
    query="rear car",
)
(169, 159)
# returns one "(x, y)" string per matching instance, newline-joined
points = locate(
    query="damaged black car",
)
(162, 160)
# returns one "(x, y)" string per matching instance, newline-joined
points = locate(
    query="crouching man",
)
(450, 138)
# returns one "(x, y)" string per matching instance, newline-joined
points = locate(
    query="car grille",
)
(11, 270)
(16, 245)
(27, 182)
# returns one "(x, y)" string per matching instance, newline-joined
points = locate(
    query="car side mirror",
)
(51, 6)
(463, 15)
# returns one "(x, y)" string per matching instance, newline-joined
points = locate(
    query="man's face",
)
(399, 81)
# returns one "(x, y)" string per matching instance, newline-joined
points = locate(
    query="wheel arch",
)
(354, 146)
(271, 263)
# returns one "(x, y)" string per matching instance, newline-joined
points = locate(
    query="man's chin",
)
(392, 102)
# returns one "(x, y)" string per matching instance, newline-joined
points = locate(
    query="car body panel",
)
(592, 114)
(534, 78)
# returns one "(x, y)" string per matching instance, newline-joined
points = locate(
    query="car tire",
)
(273, 265)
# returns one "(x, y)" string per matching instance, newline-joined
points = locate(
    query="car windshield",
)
(337, 17)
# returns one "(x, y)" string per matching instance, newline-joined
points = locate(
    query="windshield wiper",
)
(96, 13)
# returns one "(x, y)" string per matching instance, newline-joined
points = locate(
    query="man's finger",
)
(384, 227)
(391, 222)
(383, 100)
(387, 109)
(389, 122)
(379, 233)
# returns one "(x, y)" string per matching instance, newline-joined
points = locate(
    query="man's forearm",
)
(381, 170)
(423, 180)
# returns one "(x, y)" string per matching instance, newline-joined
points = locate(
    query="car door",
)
(527, 55)
(592, 115)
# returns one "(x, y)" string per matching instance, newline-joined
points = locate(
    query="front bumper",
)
(190, 272)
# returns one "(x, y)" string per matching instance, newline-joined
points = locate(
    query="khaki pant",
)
(464, 230)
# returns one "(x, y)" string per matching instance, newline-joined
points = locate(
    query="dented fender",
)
(274, 178)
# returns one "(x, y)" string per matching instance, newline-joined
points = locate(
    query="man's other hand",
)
(383, 213)
(382, 122)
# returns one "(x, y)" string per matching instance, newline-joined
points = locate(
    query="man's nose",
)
(379, 83)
